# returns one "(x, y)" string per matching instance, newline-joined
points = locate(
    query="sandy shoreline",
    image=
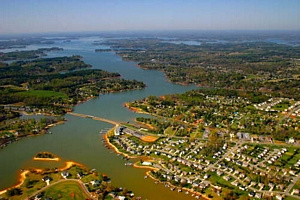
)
(134, 109)
(145, 167)
(20, 182)
(46, 159)
(115, 149)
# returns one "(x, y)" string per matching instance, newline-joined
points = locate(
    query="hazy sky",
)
(17, 16)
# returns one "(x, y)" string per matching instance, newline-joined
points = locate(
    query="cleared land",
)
(66, 190)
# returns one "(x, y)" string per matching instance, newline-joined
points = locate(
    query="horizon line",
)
(165, 30)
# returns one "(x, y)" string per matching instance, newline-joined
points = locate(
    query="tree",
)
(14, 192)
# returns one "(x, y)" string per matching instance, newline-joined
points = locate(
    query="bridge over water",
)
(94, 118)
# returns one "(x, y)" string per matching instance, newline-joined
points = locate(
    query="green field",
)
(66, 190)
(43, 93)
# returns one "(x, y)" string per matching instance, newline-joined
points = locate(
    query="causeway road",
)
(94, 118)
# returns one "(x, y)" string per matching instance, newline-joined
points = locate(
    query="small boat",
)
(128, 164)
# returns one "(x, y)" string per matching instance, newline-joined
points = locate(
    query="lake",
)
(79, 139)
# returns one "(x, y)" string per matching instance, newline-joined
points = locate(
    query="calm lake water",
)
(79, 139)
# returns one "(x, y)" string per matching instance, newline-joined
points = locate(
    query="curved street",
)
(64, 180)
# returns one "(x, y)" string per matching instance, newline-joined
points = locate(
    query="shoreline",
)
(22, 176)
(183, 188)
(46, 159)
(140, 111)
(42, 132)
(164, 72)
(144, 167)
(150, 168)
(135, 109)
(115, 149)
(103, 93)
(21, 180)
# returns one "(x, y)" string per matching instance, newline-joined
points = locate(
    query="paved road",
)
(295, 179)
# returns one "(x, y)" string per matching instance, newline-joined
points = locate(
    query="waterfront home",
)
(65, 174)
(38, 196)
(80, 175)
(47, 179)
(119, 130)
(146, 163)
(95, 183)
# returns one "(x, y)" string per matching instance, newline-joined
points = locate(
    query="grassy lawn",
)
(282, 106)
(43, 93)
(66, 190)
(108, 198)
(169, 131)
(289, 198)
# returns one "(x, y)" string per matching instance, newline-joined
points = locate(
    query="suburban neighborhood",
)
(242, 166)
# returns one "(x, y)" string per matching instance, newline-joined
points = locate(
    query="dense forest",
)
(20, 55)
(56, 84)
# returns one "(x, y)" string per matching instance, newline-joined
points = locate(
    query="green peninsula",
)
(49, 86)
(20, 55)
